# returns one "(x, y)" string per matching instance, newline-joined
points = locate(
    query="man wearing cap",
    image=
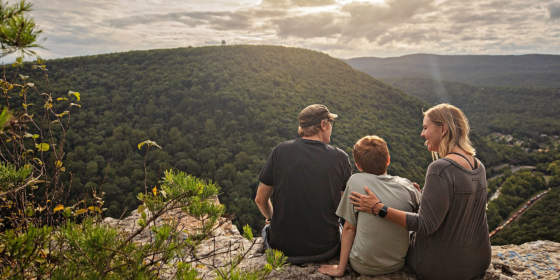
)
(300, 188)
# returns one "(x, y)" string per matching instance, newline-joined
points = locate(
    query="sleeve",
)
(266, 175)
(433, 206)
(346, 171)
(345, 209)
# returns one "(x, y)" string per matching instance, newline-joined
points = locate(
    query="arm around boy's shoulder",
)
(415, 194)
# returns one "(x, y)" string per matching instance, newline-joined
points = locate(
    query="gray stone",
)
(532, 260)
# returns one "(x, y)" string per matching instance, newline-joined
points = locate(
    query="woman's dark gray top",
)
(451, 239)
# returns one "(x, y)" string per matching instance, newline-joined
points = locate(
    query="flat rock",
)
(532, 260)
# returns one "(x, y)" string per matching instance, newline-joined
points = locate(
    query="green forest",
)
(217, 112)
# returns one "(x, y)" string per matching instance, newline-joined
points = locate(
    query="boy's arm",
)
(348, 234)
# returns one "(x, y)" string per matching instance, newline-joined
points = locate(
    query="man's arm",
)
(262, 199)
(348, 234)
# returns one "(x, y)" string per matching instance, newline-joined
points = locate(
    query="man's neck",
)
(314, 137)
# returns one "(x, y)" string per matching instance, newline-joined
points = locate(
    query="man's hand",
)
(332, 270)
(363, 202)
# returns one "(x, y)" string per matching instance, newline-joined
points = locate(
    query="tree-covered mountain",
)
(533, 70)
(523, 112)
(217, 112)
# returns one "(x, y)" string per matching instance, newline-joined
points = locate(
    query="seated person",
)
(300, 188)
(373, 245)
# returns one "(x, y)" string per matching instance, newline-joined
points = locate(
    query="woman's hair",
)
(371, 154)
(457, 128)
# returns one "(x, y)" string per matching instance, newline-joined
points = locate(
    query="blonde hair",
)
(457, 125)
(371, 154)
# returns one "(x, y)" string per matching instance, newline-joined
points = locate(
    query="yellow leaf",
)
(75, 93)
(154, 191)
(80, 211)
(48, 105)
(43, 147)
(63, 114)
(58, 208)
(94, 209)
(61, 99)
(58, 164)
(38, 161)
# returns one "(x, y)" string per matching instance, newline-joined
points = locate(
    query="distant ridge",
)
(530, 70)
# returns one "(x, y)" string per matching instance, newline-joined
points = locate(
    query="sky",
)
(340, 28)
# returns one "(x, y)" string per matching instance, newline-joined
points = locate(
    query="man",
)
(300, 188)
(373, 245)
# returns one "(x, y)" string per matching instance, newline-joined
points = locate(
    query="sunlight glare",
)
(343, 2)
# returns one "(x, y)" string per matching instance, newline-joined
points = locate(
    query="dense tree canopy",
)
(217, 112)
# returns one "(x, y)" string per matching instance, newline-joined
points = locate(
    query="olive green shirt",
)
(379, 246)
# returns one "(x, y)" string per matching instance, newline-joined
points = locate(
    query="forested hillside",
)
(534, 70)
(510, 126)
(217, 112)
(523, 112)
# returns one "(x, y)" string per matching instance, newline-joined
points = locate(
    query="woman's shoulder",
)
(438, 166)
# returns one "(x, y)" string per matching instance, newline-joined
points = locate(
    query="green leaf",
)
(247, 232)
(4, 117)
(43, 147)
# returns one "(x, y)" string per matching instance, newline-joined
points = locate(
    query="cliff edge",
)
(532, 260)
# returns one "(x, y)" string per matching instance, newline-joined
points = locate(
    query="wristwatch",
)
(383, 211)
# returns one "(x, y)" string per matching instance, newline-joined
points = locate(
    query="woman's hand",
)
(417, 186)
(332, 270)
(363, 202)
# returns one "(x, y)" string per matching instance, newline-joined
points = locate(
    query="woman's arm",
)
(371, 204)
(348, 234)
(434, 206)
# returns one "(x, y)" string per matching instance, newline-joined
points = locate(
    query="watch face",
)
(383, 211)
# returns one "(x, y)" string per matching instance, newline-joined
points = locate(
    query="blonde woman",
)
(451, 240)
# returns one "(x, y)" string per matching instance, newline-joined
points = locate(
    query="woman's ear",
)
(444, 129)
(388, 160)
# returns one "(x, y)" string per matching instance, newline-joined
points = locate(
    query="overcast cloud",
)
(342, 28)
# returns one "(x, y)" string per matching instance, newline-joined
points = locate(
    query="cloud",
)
(308, 26)
(554, 11)
(297, 3)
(341, 28)
(217, 20)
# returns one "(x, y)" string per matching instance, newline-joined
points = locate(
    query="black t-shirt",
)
(307, 177)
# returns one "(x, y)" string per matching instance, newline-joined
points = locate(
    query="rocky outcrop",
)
(532, 260)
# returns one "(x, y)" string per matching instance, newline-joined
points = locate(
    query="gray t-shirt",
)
(380, 246)
(451, 228)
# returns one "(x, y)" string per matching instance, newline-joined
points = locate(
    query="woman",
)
(451, 240)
